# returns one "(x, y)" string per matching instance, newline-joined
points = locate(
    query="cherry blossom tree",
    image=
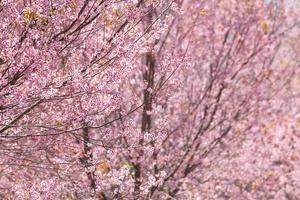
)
(147, 99)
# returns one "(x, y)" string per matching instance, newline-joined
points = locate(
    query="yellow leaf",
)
(29, 15)
(272, 174)
(203, 12)
(107, 21)
(44, 21)
(268, 73)
(298, 123)
(101, 196)
(265, 27)
(115, 12)
(58, 122)
(267, 128)
(103, 167)
(252, 186)
(294, 157)
(73, 4)
(237, 130)
(130, 167)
